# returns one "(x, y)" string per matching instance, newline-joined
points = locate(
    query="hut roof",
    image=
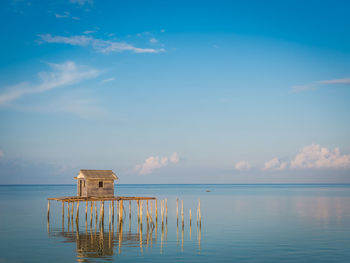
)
(97, 174)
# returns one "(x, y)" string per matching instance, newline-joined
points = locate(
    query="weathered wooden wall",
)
(83, 188)
(93, 189)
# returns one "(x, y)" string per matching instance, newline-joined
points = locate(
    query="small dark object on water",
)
(207, 190)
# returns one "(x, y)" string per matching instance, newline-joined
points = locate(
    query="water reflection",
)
(103, 243)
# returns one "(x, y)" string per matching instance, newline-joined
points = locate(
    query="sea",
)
(236, 223)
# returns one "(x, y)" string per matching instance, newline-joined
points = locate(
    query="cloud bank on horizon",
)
(312, 156)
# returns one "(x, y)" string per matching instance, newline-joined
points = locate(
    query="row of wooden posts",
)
(120, 207)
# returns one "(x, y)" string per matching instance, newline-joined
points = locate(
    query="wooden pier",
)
(88, 199)
(95, 216)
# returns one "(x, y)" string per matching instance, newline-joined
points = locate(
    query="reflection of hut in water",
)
(91, 244)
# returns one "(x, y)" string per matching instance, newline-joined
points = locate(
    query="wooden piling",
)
(138, 211)
(190, 217)
(150, 208)
(72, 210)
(121, 211)
(62, 209)
(68, 212)
(182, 212)
(156, 210)
(86, 209)
(96, 215)
(147, 212)
(77, 213)
(112, 211)
(103, 210)
(48, 209)
(141, 208)
(166, 210)
(177, 211)
(130, 210)
(200, 214)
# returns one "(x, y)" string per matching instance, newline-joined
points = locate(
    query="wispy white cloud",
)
(100, 45)
(108, 80)
(153, 40)
(82, 2)
(275, 164)
(242, 165)
(65, 74)
(87, 32)
(315, 156)
(335, 81)
(155, 162)
(64, 15)
(317, 84)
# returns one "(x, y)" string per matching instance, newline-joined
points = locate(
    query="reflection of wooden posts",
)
(48, 209)
(121, 229)
(48, 216)
(130, 216)
(182, 238)
(62, 216)
(141, 231)
(199, 236)
(91, 204)
(147, 234)
(190, 223)
(177, 233)
(177, 211)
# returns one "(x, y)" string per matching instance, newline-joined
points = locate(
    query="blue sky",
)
(175, 91)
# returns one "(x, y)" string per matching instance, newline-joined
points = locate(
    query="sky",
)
(175, 91)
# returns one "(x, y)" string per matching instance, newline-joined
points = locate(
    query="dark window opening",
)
(100, 184)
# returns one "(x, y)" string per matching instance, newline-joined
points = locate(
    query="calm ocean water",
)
(248, 223)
